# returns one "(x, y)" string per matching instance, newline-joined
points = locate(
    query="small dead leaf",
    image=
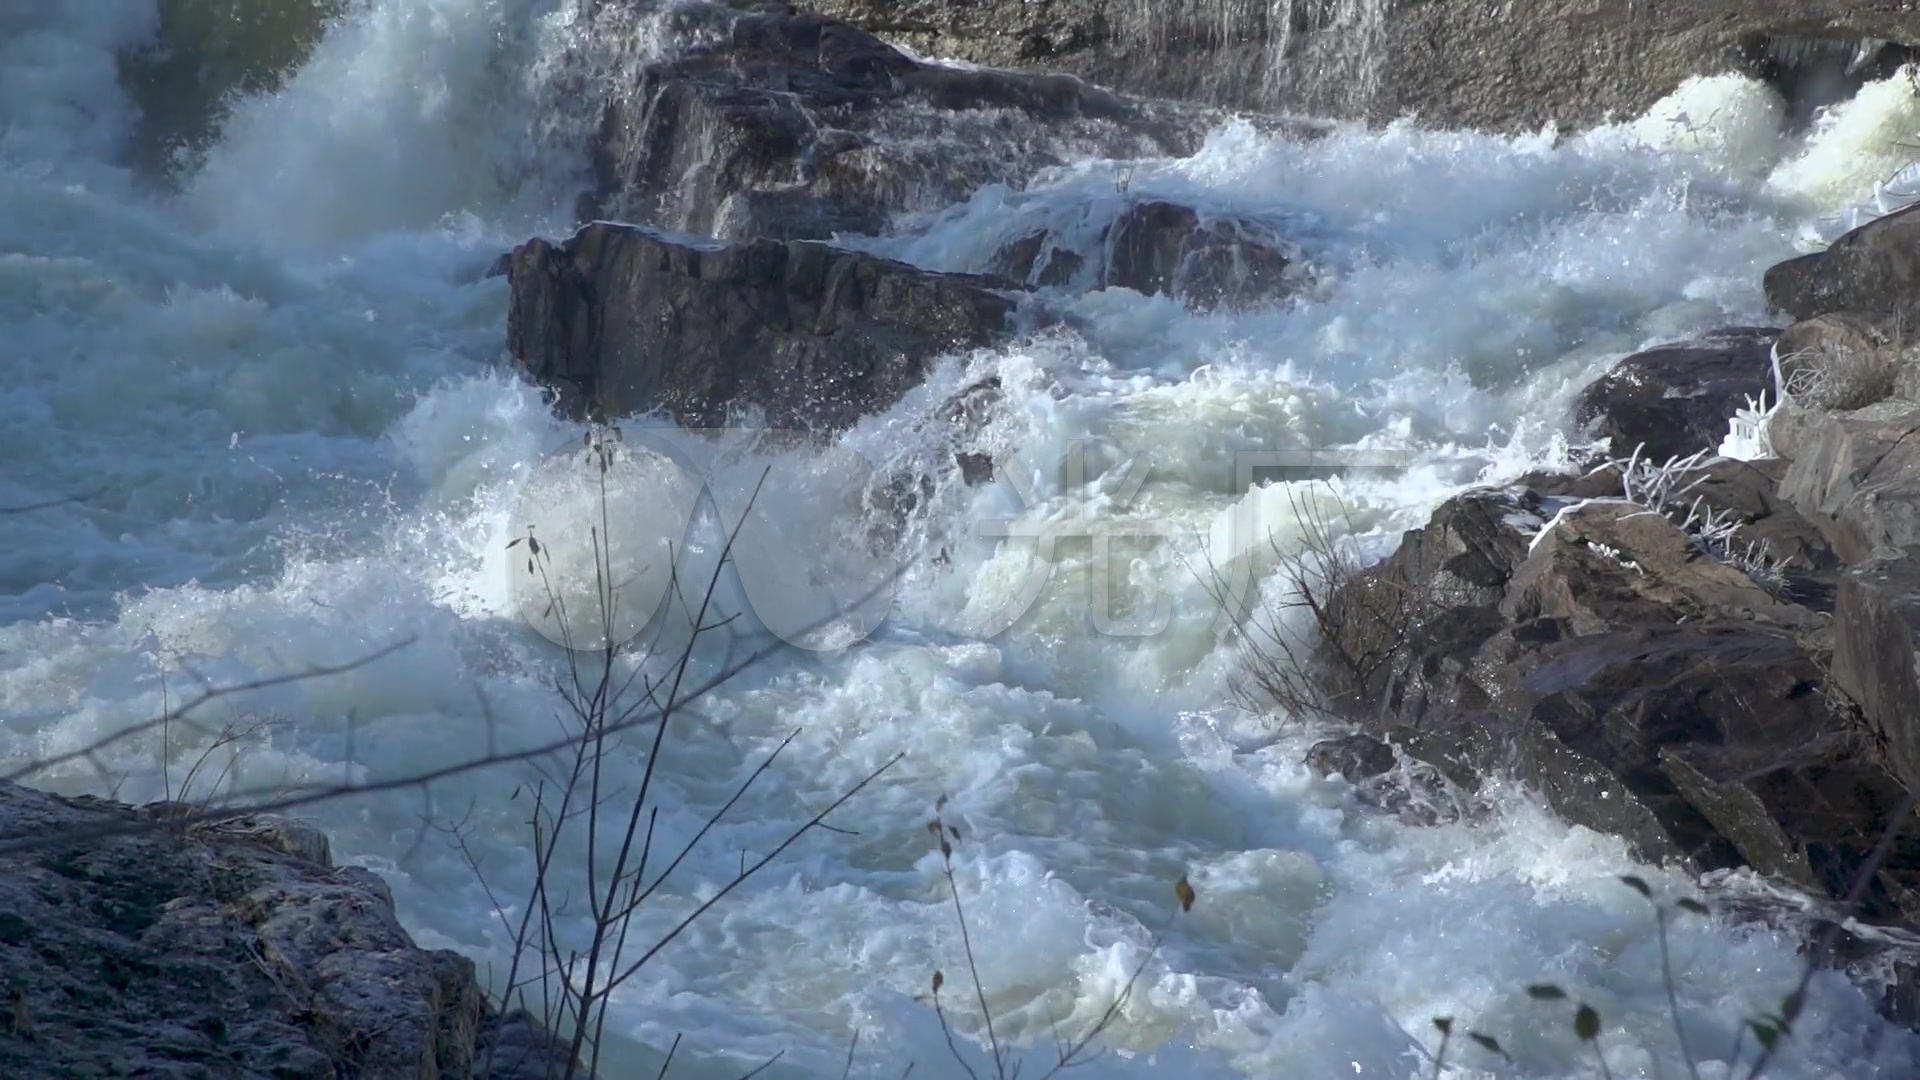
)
(939, 980)
(1546, 992)
(1692, 905)
(1184, 890)
(1637, 884)
(1586, 1023)
(1487, 1043)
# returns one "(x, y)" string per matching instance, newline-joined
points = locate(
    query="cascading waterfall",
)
(278, 390)
(1336, 47)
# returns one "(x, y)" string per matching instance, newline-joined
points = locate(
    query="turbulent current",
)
(274, 386)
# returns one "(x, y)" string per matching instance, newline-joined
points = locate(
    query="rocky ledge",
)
(1715, 659)
(148, 947)
(1502, 64)
(794, 126)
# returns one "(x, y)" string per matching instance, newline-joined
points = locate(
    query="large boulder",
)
(1509, 66)
(620, 319)
(1875, 269)
(797, 126)
(136, 944)
(1676, 399)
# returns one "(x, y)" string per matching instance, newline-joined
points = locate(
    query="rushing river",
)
(273, 381)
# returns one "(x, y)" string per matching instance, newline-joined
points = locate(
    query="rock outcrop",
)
(143, 947)
(1875, 269)
(1503, 65)
(795, 126)
(1716, 703)
(1675, 399)
(620, 319)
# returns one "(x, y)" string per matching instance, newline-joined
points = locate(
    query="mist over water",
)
(277, 381)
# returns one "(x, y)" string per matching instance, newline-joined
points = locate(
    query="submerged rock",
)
(796, 126)
(144, 948)
(1162, 248)
(620, 320)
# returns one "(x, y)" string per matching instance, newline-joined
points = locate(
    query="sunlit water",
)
(279, 390)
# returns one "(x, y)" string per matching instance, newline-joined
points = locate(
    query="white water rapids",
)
(279, 390)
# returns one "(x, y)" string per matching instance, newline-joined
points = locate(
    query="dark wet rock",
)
(1676, 399)
(1038, 260)
(794, 126)
(1873, 270)
(1162, 248)
(619, 320)
(1410, 790)
(1642, 687)
(1507, 66)
(145, 944)
(1167, 249)
(1858, 473)
(1355, 758)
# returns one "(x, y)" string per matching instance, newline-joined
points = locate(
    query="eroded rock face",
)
(1503, 65)
(1676, 399)
(227, 949)
(619, 320)
(795, 126)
